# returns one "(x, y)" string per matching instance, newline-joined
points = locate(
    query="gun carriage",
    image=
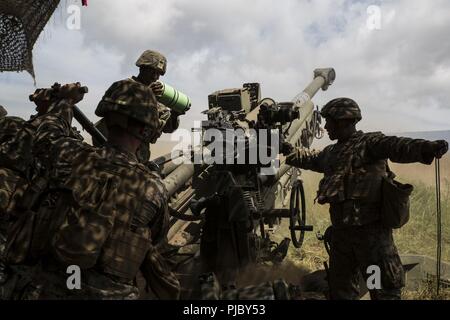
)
(225, 209)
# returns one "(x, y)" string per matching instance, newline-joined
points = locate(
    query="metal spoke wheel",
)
(297, 217)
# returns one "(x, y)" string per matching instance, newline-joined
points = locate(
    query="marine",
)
(110, 210)
(152, 65)
(9, 182)
(18, 170)
(355, 172)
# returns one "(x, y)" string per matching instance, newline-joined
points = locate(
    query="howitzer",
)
(231, 204)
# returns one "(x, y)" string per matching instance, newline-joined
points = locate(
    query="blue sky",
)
(399, 74)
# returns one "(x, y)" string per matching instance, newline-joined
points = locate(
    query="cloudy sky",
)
(396, 67)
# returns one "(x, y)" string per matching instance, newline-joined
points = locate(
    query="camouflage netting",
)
(21, 22)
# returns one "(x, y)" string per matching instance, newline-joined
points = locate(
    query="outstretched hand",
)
(440, 147)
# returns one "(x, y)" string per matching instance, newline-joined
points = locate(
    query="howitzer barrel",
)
(178, 178)
(88, 126)
(323, 78)
(168, 167)
(167, 162)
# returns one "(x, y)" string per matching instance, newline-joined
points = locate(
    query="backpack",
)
(395, 201)
(87, 189)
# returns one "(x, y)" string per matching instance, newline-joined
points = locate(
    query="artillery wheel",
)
(297, 218)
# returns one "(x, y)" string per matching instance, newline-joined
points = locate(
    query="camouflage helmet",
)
(132, 99)
(153, 59)
(341, 108)
(3, 112)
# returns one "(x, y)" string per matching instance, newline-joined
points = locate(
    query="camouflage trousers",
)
(353, 250)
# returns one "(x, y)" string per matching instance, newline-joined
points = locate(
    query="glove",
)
(157, 88)
(286, 148)
(440, 148)
(73, 92)
(434, 149)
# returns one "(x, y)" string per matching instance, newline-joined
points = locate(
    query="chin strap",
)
(438, 224)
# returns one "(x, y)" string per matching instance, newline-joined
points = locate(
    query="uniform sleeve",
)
(168, 119)
(54, 143)
(159, 196)
(172, 123)
(307, 159)
(399, 149)
(56, 123)
(161, 227)
(155, 268)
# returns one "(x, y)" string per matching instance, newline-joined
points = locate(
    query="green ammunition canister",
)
(174, 99)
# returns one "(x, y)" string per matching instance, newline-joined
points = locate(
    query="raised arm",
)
(405, 150)
(54, 141)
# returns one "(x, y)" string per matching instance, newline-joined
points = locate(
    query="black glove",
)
(157, 88)
(440, 148)
(286, 148)
(434, 149)
(153, 166)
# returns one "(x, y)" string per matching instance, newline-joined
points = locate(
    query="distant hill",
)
(428, 135)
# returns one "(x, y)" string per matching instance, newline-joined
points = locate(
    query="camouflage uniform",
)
(10, 181)
(12, 152)
(143, 153)
(353, 173)
(17, 164)
(17, 170)
(113, 212)
(168, 119)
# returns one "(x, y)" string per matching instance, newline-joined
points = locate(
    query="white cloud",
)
(399, 74)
